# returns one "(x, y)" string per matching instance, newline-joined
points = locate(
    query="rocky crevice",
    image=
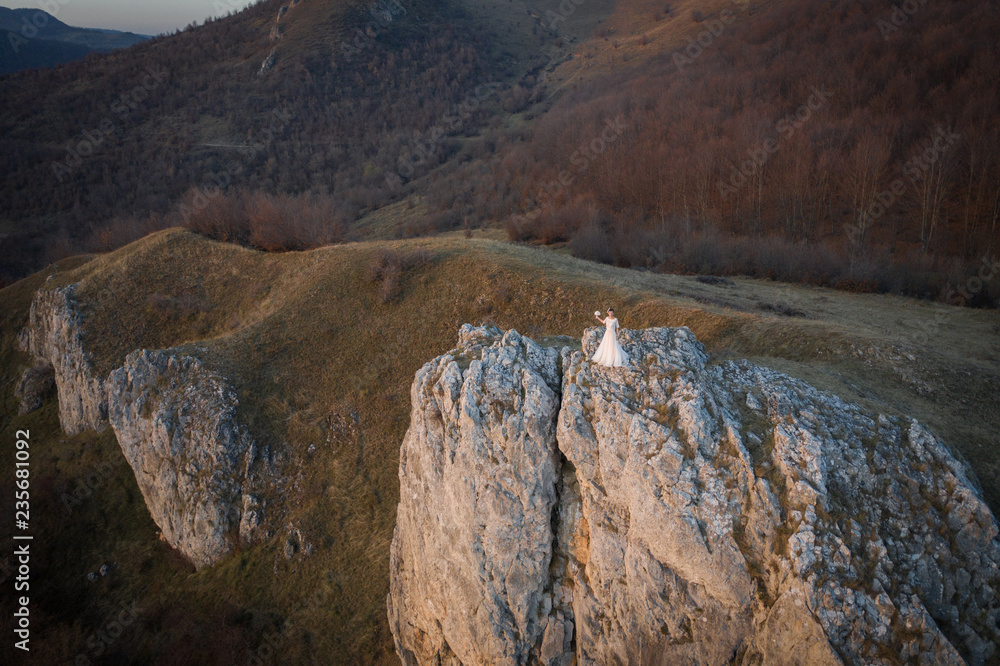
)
(570, 541)
(676, 512)
(195, 464)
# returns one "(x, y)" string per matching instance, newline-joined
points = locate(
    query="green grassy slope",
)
(323, 367)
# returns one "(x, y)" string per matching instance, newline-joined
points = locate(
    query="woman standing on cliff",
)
(610, 353)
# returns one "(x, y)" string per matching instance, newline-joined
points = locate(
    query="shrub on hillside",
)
(387, 267)
(283, 223)
(555, 223)
(119, 231)
(273, 223)
(222, 217)
(592, 243)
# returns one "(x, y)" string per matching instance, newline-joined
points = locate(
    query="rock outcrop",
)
(675, 511)
(478, 470)
(268, 62)
(175, 421)
(54, 337)
(35, 384)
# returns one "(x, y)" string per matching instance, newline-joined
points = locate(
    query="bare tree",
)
(864, 177)
(931, 182)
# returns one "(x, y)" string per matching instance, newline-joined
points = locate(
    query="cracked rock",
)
(671, 511)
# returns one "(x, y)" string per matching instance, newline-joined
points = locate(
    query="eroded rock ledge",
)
(673, 511)
(176, 424)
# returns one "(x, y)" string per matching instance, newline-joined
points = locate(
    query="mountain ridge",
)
(34, 38)
(729, 162)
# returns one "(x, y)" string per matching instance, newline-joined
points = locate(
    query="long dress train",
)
(610, 353)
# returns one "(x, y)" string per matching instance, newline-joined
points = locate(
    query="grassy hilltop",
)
(321, 347)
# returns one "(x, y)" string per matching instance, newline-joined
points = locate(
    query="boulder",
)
(35, 384)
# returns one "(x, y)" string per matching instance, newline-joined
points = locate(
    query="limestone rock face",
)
(175, 422)
(884, 527)
(674, 511)
(53, 337)
(661, 574)
(474, 530)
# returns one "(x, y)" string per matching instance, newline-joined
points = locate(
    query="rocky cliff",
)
(474, 532)
(175, 421)
(674, 511)
(54, 337)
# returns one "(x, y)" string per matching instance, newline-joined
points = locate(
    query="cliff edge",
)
(175, 421)
(675, 511)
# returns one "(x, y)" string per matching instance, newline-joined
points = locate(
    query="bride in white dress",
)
(610, 353)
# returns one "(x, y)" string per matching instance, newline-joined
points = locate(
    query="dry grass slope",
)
(317, 359)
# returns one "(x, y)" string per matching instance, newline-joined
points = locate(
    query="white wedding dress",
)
(610, 353)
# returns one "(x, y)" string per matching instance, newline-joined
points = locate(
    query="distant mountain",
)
(34, 38)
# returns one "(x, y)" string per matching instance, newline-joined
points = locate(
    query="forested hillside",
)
(347, 91)
(846, 143)
(849, 144)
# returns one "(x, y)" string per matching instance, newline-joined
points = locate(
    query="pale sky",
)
(144, 17)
